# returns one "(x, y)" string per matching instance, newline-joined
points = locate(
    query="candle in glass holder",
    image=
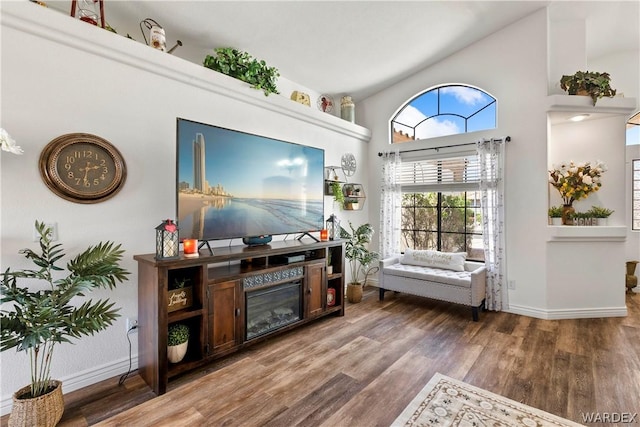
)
(324, 234)
(190, 247)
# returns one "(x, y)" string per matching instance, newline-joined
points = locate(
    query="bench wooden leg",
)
(474, 312)
(381, 297)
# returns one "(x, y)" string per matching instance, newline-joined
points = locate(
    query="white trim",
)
(576, 103)
(568, 313)
(587, 234)
(81, 379)
(53, 26)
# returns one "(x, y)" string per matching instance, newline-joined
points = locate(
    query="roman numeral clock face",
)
(82, 168)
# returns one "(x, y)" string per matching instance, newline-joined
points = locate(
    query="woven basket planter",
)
(354, 292)
(41, 411)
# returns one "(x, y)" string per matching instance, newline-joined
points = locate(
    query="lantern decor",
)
(333, 227)
(167, 242)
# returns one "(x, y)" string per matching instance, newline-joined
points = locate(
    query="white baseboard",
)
(568, 313)
(82, 379)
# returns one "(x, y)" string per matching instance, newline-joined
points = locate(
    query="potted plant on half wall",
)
(35, 320)
(589, 83)
(360, 258)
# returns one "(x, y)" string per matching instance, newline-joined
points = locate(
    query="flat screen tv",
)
(232, 184)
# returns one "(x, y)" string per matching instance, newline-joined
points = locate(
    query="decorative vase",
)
(567, 214)
(175, 353)
(347, 109)
(45, 410)
(354, 292)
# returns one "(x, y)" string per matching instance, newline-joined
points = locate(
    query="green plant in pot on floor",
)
(360, 258)
(35, 320)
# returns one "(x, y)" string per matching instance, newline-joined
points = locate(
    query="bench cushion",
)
(450, 277)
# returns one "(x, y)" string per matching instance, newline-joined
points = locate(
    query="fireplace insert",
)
(272, 308)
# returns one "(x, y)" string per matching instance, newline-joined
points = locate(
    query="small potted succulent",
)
(593, 84)
(600, 214)
(178, 342)
(555, 213)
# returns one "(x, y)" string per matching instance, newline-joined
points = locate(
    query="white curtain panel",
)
(391, 205)
(491, 157)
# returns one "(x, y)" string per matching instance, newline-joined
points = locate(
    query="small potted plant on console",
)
(178, 342)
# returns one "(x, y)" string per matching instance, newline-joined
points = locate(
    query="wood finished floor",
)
(364, 368)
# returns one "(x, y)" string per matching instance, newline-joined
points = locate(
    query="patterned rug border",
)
(428, 408)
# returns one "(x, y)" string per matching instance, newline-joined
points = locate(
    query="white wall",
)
(516, 77)
(60, 76)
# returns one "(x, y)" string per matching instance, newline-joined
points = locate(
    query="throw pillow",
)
(427, 258)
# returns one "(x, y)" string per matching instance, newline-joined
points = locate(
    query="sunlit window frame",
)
(425, 93)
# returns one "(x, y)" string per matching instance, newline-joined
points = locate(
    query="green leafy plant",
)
(336, 189)
(35, 321)
(594, 84)
(179, 283)
(599, 212)
(178, 334)
(355, 250)
(243, 66)
(555, 212)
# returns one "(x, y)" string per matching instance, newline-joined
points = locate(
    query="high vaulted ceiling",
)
(357, 47)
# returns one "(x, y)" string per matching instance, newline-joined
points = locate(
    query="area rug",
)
(448, 402)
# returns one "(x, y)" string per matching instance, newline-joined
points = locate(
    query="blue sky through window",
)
(446, 110)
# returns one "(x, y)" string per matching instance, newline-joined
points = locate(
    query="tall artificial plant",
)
(356, 251)
(35, 321)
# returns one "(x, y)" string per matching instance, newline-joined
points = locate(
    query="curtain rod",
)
(380, 154)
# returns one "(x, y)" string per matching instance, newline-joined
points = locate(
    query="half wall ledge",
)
(564, 233)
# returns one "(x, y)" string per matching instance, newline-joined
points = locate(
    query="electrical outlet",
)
(132, 324)
(511, 284)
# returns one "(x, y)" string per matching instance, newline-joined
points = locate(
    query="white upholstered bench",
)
(463, 282)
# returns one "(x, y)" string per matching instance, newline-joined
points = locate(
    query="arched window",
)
(444, 110)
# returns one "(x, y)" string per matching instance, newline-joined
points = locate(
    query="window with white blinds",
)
(454, 173)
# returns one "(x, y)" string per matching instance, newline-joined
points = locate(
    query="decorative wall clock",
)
(82, 168)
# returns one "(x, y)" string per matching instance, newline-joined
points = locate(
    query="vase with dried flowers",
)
(575, 181)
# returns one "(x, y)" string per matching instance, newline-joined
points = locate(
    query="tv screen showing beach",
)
(232, 184)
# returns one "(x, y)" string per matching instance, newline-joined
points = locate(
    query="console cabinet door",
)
(315, 289)
(225, 316)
